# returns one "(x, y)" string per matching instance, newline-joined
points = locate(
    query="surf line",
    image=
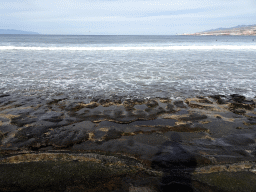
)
(194, 47)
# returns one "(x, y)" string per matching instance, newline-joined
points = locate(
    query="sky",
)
(124, 17)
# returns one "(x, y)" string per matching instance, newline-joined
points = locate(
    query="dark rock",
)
(117, 101)
(249, 105)
(128, 104)
(251, 121)
(66, 138)
(172, 159)
(54, 101)
(99, 134)
(193, 117)
(199, 106)
(118, 114)
(179, 104)
(52, 116)
(221, 99)
(156, 122)
(103, 101)
(30, 132)
(238, 98)
(170, 107)
(140, 113)
(240, 139)
(188, 128)
(239, 111)
(138, 101)
(22, 120)
(204, 100)
(112, 134)
(95, 99)
(152, 103)
(4, 95)
(74, 107)
(92, 105)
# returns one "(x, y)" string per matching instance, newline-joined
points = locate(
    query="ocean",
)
(128, 66)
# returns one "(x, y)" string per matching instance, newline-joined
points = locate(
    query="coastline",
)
(157, 139)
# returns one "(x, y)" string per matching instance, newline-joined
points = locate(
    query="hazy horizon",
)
(124, 17)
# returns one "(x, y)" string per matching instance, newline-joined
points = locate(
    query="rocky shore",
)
(118, 144)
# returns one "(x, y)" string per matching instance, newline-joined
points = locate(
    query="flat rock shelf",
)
(135, 145)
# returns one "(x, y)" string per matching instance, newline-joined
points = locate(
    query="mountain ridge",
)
(17, 32)
(237, 30)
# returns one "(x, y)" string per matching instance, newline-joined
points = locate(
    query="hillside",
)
(238, 30)
(12, 31)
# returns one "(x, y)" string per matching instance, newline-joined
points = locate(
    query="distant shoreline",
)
(244, 30)
(16, 32)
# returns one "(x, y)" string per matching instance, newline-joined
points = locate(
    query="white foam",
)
(194, 47)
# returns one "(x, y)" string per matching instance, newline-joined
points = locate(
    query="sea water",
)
(129, 66)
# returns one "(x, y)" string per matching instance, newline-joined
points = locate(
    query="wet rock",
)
(221, 99)
(228, 181)
(251, 121)
(240, 139)
(173, 156)
(52, 116)
(104, 101)
(82, 172)
(30, 132)
(128, 104)
(118, 114)
(22, 120)
(54, 101)
(193, 105)
(140, 107)
(140, 114)
(91, 105)
(179, 104)
(204, 100)
(139, 128)
(238, 98)
(239, 111)
(138, 101)
(2, 136)
(182, 112)
(112, 134)
(249, 105)
(188, 128)
(98, 135)
(74, 107)
(200, 104)
(170, 107)
(152, 103)
(62, 138)
(193, 117)
(156, 122)
(165, 100)
(4, 95)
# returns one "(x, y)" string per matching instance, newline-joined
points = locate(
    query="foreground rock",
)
(199, 144)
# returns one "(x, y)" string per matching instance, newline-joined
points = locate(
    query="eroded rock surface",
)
(143, 144)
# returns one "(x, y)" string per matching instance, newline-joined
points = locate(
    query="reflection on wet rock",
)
(148, 144)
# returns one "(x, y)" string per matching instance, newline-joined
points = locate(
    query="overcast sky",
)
(124, 17)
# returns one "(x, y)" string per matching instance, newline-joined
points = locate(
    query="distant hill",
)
(13, 31)
(238, 30)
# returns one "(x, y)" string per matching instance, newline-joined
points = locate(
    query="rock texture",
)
(123, 144)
